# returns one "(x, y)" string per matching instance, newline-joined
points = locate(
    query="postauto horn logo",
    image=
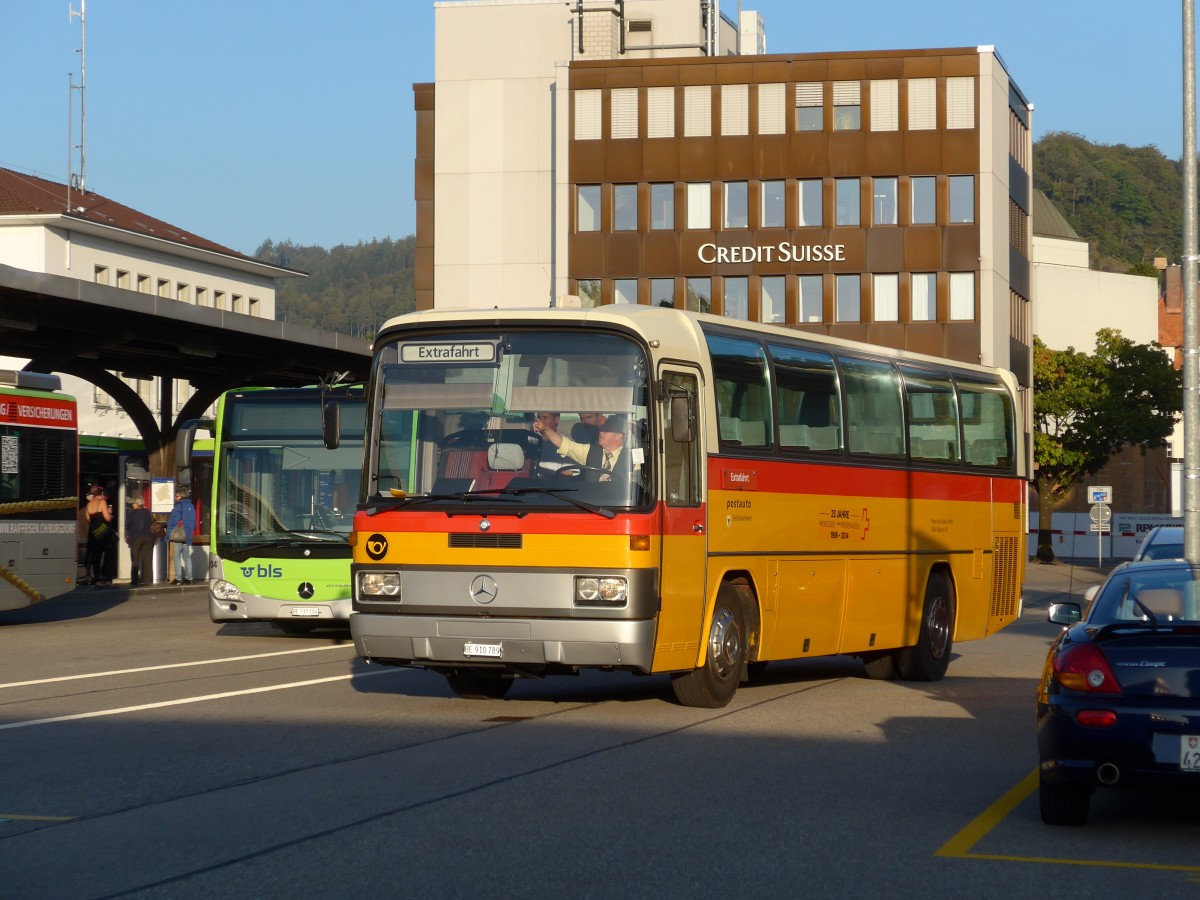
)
(377, 547)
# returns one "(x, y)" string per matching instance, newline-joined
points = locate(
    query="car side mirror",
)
(1065, 614)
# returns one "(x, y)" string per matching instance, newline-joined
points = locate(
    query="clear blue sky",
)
(243, 120)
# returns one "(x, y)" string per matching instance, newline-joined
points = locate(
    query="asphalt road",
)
(148, 752)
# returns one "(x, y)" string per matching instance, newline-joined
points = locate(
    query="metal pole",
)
(1191, 375)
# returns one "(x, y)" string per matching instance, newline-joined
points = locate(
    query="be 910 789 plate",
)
(492, 651)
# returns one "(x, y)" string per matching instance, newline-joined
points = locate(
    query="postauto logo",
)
(261, 571)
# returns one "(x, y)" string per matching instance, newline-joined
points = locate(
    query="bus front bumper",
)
(255, 608)
(443, 642)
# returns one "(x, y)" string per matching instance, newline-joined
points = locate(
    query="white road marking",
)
(99, 713)
(179, 665)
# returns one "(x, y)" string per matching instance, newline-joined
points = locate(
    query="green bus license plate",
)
(310, 612)
(1189, 753)
(493, 651)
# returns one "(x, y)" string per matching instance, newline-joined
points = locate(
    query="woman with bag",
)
(179, 531)
(101, 537)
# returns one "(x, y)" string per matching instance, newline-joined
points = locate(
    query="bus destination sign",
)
(448, 352)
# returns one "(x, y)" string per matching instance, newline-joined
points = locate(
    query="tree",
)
(1087, 407)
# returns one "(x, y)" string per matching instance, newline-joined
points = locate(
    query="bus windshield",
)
(511, 420)
(278, 483)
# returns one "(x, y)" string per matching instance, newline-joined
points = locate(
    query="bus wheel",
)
(928, 659)
(474, 685)
(713, 684)
(881, 666)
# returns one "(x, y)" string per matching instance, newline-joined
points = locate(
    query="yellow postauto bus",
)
(658, 491)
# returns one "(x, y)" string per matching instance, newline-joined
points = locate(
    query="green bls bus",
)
(282, 506)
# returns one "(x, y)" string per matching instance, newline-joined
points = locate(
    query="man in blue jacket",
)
(183, 513)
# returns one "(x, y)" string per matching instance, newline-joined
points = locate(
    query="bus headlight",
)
(223, 590)
(379, 584)
(607, 590)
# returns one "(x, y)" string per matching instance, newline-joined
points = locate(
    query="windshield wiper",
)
(386, 505)
(560, 493)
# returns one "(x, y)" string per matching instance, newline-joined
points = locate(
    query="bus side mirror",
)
(683, 419)
(331, 423)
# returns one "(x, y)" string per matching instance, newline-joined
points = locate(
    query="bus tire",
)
(713, 684)
(881, 666)
(928, 659)
(474, 685)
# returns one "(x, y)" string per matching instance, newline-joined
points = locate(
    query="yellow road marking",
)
(960, 845)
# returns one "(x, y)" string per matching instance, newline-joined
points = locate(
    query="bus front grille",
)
(485, 541)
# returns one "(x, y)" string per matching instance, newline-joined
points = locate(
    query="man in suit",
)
(606, 459)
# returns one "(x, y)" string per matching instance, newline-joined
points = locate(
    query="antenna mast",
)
(82, 88)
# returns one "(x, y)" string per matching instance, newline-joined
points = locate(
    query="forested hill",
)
(350, 290)
(1126, 201)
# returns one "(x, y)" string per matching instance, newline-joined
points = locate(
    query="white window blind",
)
(771, 115)
(587, 115)
(924, 297)
(624, 112)
(735, 109)
(887, 298)
(699, 205)
(922, 104)
(808, 93)
(660, 112)
(960, 102)
(847, 93)
(697, 110)
(962, 296)
(885, 105)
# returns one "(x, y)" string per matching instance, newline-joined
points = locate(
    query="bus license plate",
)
(494, 651)
(310, 612)
(1189, 753)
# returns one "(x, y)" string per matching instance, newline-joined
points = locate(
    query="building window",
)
(772, 117)
(773, 307)
(164, 288)
(662, 207)
(660, 112)
(849, 298)
(625, 290)
(962, 198)
(810, 111)
(122, 279)
(883, 201)
(924, 200)
(589, 292)
(847, 106)
(811, 212)
(624, 112)
(697, 110)
(201, 296)
(699, 205)
(960, 102)
(887, 298)
(587, 116)
(182, 294)
(100, 276)
(847, 199)
(587, 207)
(773, 199)
(885, 105)
(962, 296)
(812, 302)
(737, 298)
(143, 284)
(235, 303)
(736, 204)
(735, 109)
(254, 308)
(662, 292)
(922, 104)
(625, 212)
(218, 299)
(924, 297)
(699, 294)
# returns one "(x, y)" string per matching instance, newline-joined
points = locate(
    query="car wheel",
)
(928, 659)
(471, 685)
(1063, 804)
(713, 684)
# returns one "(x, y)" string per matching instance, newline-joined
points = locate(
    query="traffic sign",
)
(1101, 514)
(1101, 493)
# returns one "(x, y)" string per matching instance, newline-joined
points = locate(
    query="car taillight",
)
(1096, 718)
(1084, 668)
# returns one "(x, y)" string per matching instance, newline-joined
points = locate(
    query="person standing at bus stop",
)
(141, 543)
(101, 539)
(180, 526)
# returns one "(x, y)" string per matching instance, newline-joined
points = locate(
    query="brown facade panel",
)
(424, 220)
(624, 161)
(960, 340)
(660, 160)
(698, 74)
(623, 77)
(885, 153)
(697, 159)
(622, 255)
(735, 73)
(423, 178)
(423, 268)
(660, 254)
(923, 337)
(774, 70)
(690, 243)
(808, 155)
(587, 255)
(960, 248)
(852, 69)
(922, 248)
(960, 65)
(660, 76)
(885, 250)
(922, 153)
(960, 151)
(847, 153)
(734, 158)
(887, 334)
(586, 160)
(584, 78)
(850, 331)
(770, 156)
(855, 242)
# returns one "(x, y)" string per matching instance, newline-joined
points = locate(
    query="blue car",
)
(1119, 698)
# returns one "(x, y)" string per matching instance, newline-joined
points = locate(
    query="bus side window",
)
(874, 415)
(809, 405)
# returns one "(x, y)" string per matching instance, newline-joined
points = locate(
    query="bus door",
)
(684, 524)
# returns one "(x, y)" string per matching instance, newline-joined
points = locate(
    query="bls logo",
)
(262, 571)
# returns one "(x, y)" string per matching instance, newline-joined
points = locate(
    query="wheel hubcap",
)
(724, 645)
(938, 625)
